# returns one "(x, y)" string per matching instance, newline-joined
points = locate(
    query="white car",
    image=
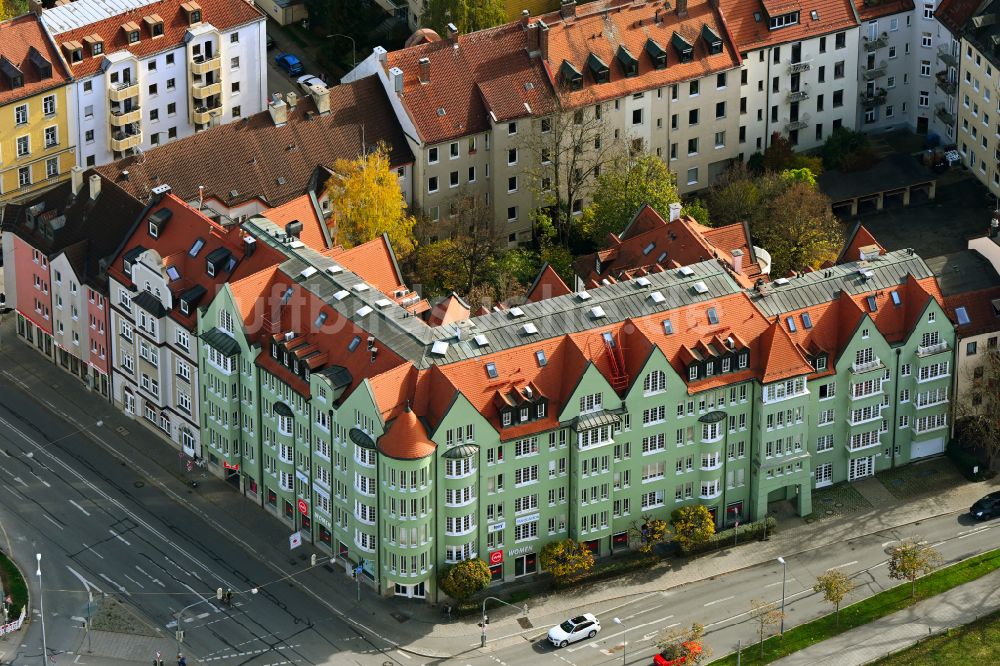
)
(576, 629)
(308, 81)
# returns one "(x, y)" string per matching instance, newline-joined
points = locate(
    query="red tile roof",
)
(600, 28)
(375, 263)
(781, 357)
(301, 209)
(223, 14)
(449, 310)
(406, 438)
(751, 32)
(983, 317)
(546, 285)
(488, 71)
(873, 10)
(955, 14)
(17, 39)
(859, 239)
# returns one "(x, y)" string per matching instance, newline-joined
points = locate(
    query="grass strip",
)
(974, 643)
(867, 610)
(13, 585)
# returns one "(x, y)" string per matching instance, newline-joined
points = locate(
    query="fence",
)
(11, 627)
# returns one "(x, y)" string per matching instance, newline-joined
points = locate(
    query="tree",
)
(686, 643)
(566, 560)
(12, 8)
(629, 181)
(799, 230)
(910, 559)
(366, 202)
(645, 535)
(802, 175)
(977, 408)
(740, 194)
(692, 525)
(463, 579)
(765, 614)
(467, 15)
(780, 155)
(835, 586)
(698, 209)
(567, 151)
(472, 244)
(847, 150)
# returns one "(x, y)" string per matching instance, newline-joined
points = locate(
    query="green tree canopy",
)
(566, 560)
(463, 579)
(467, 15)
(692, 524)
(623, 186)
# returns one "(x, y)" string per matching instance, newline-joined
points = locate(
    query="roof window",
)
(685, 52)
(712, 40)
(40, 62)
(353, 344)
(962, 315)
(572, 78)
(649, 248)
(872, 305)
(320, 320)
(14, 76)
(791, 324)
(656, 53)
(782, 20)
(131, 30)
(807, 321)
(598, 69)
(155, 25)
(896, 300)
(193, 12)
(74, 51)
(196, 248)
(173, 273)
(668, 327)
(628, 62)
(491, 370)
(287, 295)
(540, 357)
(713, 316)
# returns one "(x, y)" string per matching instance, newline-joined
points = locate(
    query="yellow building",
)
(37, 147)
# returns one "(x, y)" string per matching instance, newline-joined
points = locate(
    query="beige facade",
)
(978, 101)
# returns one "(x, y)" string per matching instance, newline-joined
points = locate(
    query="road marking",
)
(841, 566)
(974, 532)
(622, 633)
(84, 511)
(403, 654)
(87, 585)
(155, 580)
(719, 601)
(77, 618)
(120, 537)
(135, 581)
(91, 549)
(121, 588)
(778, 582)
(202, 616)
(937, 544)
(44, 482)
(46, 516)
(888, 542)
(21, 481)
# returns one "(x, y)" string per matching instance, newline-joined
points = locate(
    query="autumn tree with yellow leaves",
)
(566, 560)
(366, 202)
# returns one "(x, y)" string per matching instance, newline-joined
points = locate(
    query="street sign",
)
(303, 507)
(496, 557)
(294, 540)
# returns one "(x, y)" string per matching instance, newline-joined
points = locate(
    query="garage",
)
(931, 447)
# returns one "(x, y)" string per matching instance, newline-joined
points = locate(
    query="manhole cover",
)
(122, 431)
(525, 623)
(139, 484)
(400, 617)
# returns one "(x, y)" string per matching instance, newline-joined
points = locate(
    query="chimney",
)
(279, 111)
(396, 75)
(675, 211)
(567, 8)
(294, 228)
(95, 187)
(533, 44)
(452, 32)
(525, 15)
(76, 174)
(381, 54)
(321, 96)
(682, 8)
(291, 99)
(543, 39)
(425, 70)
(249, 245)
(36, 7)
(737, 261)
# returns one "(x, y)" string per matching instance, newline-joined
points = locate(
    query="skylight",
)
(529, 329)
(713, 316)
(791, 324)
(872, 305)
(481, 340)
(439, 348)
(656, 297)
(962, 315)
(355, 341)
(668, 327)
(364, 311)
(516, 312)
(896, 300)
(597, 312)
(320, 320)
(781, 281)
(700, 287)
(359, 287)
(307, 272)
(608, 338)
(685, 271)
(491, 370)
(643, 281)
(383, 303)
(196, 248)
(540, 357)
(807, 321)
(173, 274)
(333, 270)
(583, 296)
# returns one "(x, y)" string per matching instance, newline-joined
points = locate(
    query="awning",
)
(221, 342)
(596, 420)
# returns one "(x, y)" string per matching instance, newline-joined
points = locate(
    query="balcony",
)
(120, 142)
(868, 366)
(201, 65)
(202, 115)
(944, 115)
(123, 118)
(801, 66)
(876, 99)
(878, 43)
(944, 82)
(931, 350)
(119, 92)
(203, 90)
(876, 72)
(945, 55)
(801, 123)
(798, 95)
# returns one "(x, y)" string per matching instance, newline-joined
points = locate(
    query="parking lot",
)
(277, 79)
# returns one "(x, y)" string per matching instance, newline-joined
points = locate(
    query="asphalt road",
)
(101, 529)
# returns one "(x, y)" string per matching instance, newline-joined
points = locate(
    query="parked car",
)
(676, 657)
(307, 81)
(270, 42)
(986, 508)
(289, 63)
(576, 629)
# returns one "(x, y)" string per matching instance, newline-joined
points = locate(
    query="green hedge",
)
(741, 534)
(14, 585)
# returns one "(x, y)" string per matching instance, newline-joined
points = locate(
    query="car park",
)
(574, 629)
(987, 507)
(289, 63)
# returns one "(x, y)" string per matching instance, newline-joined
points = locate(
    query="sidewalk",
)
(413, 625)
(956, 607)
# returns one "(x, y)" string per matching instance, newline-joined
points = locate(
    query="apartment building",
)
(37, 146)
(148, 72)
(56, 247)
(272, 157)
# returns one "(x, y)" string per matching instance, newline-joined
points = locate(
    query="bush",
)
(13, 585)
(968, 463)
(725, 537)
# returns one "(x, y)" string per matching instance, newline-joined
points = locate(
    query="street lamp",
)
(624, 631)
(354, 60)
(485, 620)
(784, 568)
(41, 608)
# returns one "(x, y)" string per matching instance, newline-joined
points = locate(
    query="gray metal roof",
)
(887, 272)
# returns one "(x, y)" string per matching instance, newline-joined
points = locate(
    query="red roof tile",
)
(223, 14)
(301, 209)
(18, 37)
(749, 24)
(546, 285)
(449, 310)
(781, 357)
(859, 239)
(955, 14)
(406, 438)
(979, 308)
(869, 11)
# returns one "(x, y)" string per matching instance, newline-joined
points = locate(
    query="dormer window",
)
(40, 62)
(712, 40)
(657, 54)
(74, 51)
(14, 76)
(95, 43)
(193, 12)
(782, 20)
(131, 30)
(155, 25)
(693, 372)
(628, 62)
(572, 78)
(685, 51)
(598, 69)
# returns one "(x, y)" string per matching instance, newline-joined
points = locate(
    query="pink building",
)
(56, 250)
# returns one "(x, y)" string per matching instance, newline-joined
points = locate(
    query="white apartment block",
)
(151, 71)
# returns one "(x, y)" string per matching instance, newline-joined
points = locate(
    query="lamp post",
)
(354, 60)
(624, 631)
(41, 608)
(485, 620)
(784, 568)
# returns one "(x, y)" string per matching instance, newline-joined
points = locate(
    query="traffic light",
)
(312, 560)
(218, 594)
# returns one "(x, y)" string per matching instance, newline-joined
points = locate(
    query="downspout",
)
(767, 98)
(895, 403)
(753, 432)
